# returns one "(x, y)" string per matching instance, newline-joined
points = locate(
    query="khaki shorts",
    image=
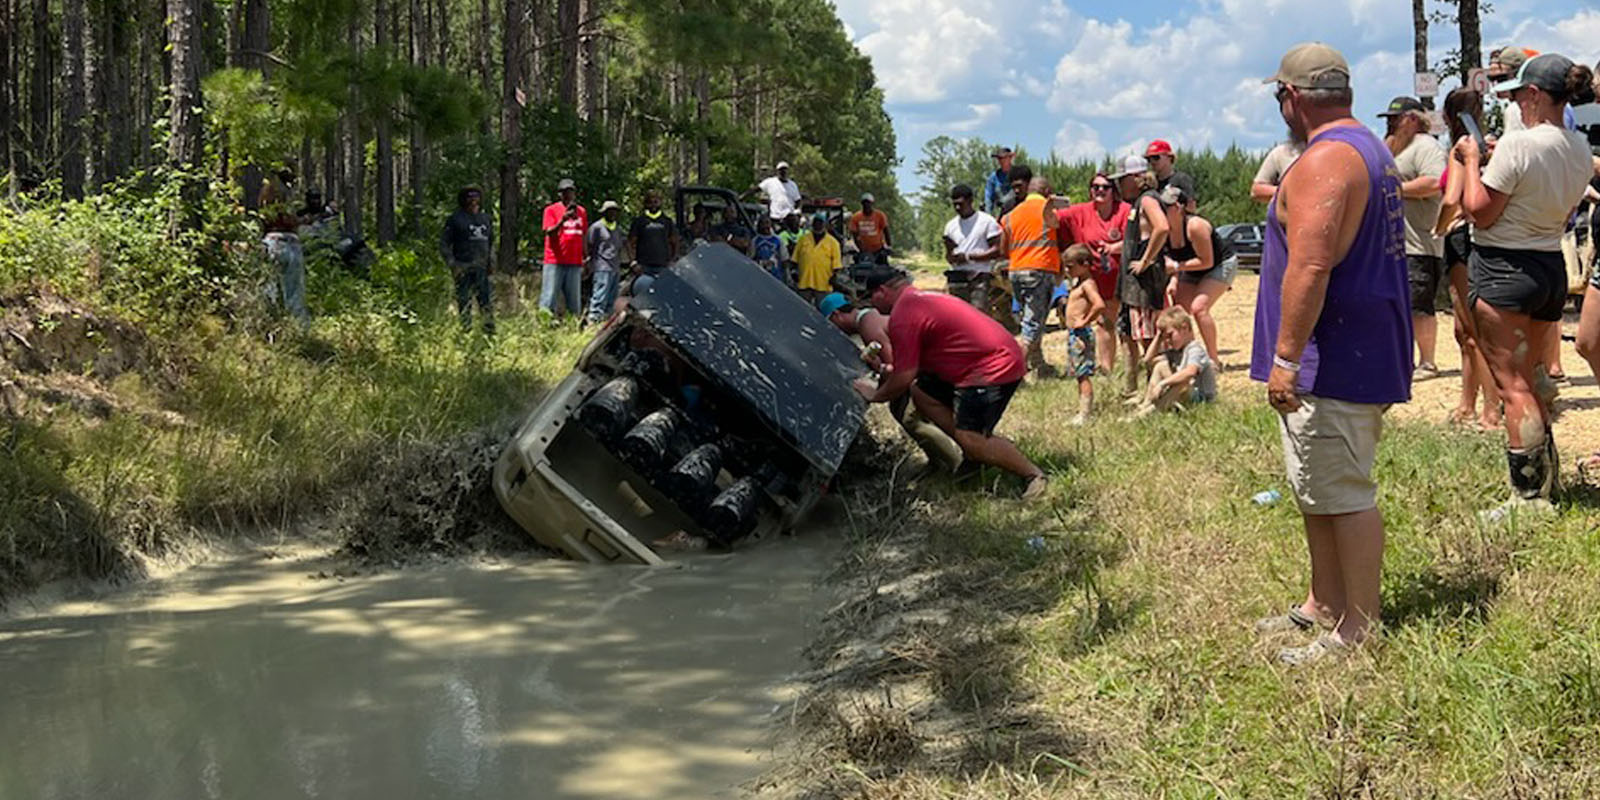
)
(1329, 447)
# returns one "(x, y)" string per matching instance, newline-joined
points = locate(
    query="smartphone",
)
(1471, 125)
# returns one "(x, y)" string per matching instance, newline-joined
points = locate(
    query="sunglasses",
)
(1283, 92)
(1100, 187)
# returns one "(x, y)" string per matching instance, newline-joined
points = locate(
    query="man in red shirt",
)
(1097, 224)
(961, 366)
(565, 223)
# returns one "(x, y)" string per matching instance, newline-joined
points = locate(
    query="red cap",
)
(1158, 147)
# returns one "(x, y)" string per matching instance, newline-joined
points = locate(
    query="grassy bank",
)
(227, 416)
(1118, 660)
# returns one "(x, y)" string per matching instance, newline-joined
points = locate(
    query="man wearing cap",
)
(1164, 163)
(1142, 286)
(1504, 64)
(565, 225)
(1421, 161)
(997, 188)
(964, 366)
(872, 326)
(869, 229)
(604, 244)
(783, 195)
(817, 256)
(1333, 341)
(1030, 239)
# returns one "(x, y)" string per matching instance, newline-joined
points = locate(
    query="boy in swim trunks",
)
(1078, 310)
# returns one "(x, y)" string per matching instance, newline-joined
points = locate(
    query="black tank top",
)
(1221, 250)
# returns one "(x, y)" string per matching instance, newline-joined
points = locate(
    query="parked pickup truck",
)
(717, 406)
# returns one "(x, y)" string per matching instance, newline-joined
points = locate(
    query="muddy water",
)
(536, 680)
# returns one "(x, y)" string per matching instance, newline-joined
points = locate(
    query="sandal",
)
(1324, 647)
(1292, 621)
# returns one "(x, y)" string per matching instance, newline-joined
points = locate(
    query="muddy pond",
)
(536, 679)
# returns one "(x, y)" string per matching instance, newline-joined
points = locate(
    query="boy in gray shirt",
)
(1186, 374)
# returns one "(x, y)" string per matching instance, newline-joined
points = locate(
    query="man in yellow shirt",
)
(818, 256)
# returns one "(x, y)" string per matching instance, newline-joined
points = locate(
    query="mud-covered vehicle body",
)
(717, 406)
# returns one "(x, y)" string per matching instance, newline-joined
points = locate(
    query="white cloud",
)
(1076, 141)
(977, 116)
(927, 51)
(1576, 37)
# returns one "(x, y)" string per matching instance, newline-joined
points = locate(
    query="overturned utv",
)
(717, 406)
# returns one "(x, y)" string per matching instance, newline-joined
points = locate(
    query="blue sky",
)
(1090, 78)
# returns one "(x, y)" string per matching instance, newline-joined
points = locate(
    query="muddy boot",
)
(1531, 482)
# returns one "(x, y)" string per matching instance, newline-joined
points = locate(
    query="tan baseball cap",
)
(1313, 65)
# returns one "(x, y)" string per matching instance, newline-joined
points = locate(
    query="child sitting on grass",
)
(1182, 372)
(1078, 308)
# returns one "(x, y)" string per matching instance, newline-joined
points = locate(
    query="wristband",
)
(1280, 361)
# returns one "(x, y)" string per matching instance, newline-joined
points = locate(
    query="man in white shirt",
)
(783, 196)
(1421, 161)
(971, 246)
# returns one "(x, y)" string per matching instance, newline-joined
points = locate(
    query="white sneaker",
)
(1517, 508)
(1424, 372)
(1078, 421)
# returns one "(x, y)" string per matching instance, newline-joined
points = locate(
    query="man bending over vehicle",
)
(964, 365)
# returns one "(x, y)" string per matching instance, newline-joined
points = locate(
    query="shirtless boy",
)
(1078, 310)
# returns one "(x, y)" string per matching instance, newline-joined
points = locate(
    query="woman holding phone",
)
(1457, 234)
(1518, 206)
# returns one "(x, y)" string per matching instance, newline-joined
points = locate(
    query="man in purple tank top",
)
(1333, 340)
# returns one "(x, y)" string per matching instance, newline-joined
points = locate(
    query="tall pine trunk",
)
(354, 148)
(384, 191)
(1419, 40)
(255, 37)
(41, 92)
(184, 147)
(74, 122)
(588, 70)
(1471, 36)
(8, 94)
(567, 22)
(417, 43)
(511, 135)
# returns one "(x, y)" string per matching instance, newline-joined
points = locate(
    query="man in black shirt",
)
(653, 241)
(467, 245)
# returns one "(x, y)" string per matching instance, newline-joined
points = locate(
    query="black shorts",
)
(1457, 246)
(1531, 282)
(1423, 273)
(978, 408)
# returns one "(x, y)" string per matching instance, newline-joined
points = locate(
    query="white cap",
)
(1132, 165)
(782, 165)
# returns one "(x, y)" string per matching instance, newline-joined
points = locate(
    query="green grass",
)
(265, 432)
(1132, 630)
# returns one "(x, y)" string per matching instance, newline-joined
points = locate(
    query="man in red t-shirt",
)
(960, 366)
(1098, 225)
(564, 225)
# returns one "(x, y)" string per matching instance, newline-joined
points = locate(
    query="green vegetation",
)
(1119, 661)
(1223, 180)
(230, 417)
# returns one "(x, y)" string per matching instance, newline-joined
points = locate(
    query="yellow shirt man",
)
(818, 261)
